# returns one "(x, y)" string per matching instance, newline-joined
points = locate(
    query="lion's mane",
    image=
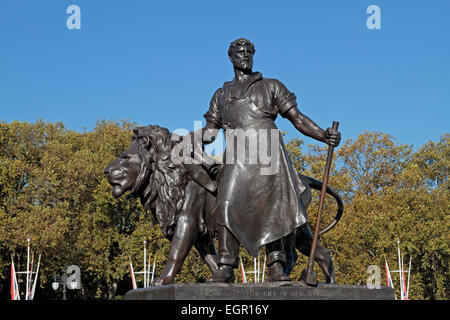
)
(161, 183)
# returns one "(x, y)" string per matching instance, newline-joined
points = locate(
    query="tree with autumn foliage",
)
(390, 192)
(53, 190)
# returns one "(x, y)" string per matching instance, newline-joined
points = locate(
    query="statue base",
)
(260, 291)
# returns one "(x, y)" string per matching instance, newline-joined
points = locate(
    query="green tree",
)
(53, 190)
(390, 193)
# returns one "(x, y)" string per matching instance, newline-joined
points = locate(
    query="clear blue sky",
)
(159, 62)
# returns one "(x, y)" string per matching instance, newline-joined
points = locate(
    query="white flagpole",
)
(149, 272)
(35, 278)
(405, 295)
(258, 268)
(264, 268)
(31, 274)
(399, 268)
(145, 263)
(28, 266)
(409, 273)
(154, 264)
(254, 262)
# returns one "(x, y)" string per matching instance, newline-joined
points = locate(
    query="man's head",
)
(241, 54)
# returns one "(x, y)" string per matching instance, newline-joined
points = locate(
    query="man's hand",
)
(332, 137)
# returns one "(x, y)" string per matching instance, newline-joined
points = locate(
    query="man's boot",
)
(275, 264)
(228, 259)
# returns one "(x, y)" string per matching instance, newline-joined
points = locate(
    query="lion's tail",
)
(317, 185)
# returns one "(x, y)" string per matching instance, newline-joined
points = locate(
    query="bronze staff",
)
(309, 275)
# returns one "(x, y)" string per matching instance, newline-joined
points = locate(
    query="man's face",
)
(242, 58)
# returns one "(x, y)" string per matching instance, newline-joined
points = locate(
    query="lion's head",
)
(147, 171)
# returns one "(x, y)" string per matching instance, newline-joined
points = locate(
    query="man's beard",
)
(245, 66)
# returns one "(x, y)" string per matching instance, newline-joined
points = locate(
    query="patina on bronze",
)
(254, 209)
(248, 208)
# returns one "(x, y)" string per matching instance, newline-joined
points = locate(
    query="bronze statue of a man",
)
(255, 209)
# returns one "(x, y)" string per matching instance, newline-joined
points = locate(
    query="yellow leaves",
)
(389, 192)
(49, 182)
(52, 189)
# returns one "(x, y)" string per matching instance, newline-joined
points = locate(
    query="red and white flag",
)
(133, 280)
(405, 293)
(388, 275)
(14, 285)
(244, 279)
(35, 279)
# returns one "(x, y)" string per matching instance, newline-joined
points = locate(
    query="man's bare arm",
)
(309, 128)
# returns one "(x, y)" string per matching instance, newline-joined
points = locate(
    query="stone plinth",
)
(260, 291)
